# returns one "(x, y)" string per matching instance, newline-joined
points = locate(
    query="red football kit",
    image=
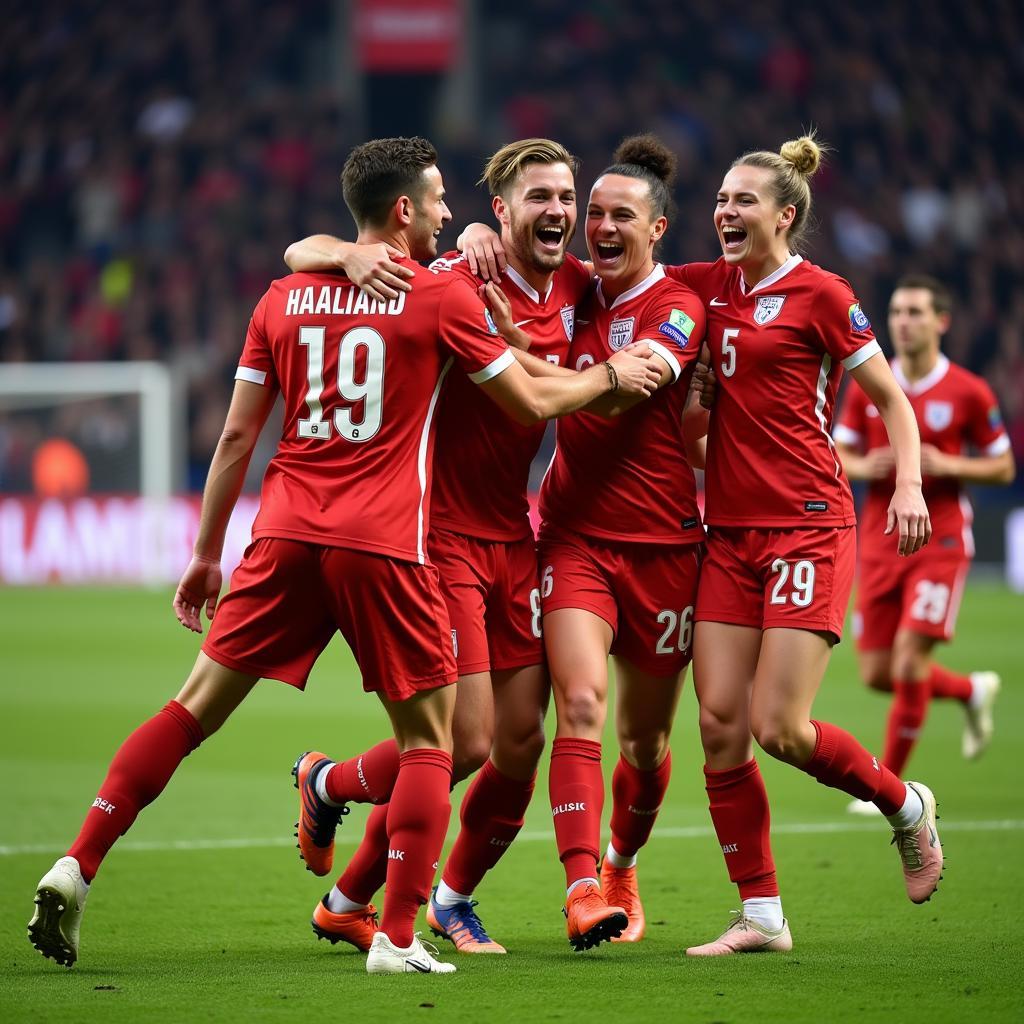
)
(778, 350)
(619, 502)
(955, 410)
(360, 381)
(480, 535)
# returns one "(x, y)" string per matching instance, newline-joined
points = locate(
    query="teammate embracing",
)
(906, 607)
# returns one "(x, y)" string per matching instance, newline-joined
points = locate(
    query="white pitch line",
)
(351, 838)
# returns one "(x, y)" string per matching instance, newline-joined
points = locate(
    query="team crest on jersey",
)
(620, 333)
(768, 308)
(938, 415)
(569, 320)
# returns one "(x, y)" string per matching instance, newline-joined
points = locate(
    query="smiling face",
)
(621, 233)
(752, 228)
(538, 216)
(430, 215)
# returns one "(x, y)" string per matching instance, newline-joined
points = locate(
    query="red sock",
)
(576, 788)
(636, 797)
(417, 821)
(492, 815)
(141, 768)
(367, 778)
(841, 762)
(946, 685)
(906, 716)
(368, 868)
(739, 809)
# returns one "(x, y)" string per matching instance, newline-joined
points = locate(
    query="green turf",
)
(222, 934)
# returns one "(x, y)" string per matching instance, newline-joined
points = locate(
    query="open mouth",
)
(733, 237)
(608, 252)
(551, 236)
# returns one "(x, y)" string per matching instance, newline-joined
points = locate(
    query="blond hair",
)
(505, 167)
(791, 170)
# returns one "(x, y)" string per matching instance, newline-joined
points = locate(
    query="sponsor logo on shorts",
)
(104, 805)
(858, 319)
(815, 506)
(768, 308)
(578, 805)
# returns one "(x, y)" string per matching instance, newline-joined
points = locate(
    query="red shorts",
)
(645, 592)
(288, 599)
(921, 593)
(487, 586)
(800, 578)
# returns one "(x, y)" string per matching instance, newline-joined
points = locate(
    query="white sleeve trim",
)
(493, 368)
(861, 355)
(845, 435)
(251, 375)
(999, 445)
(667, 355)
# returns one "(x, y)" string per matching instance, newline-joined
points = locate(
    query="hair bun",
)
(649, 152)
(803, 153)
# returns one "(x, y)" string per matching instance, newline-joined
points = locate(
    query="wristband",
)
(613, 377)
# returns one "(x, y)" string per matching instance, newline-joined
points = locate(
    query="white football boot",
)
(387, 958)
(978, 726)
(60, 902)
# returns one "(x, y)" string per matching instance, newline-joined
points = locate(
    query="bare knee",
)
(878, 678)
(786, 741)
(721, 734)
(581, 711)
(645, 750)
(518, 755)
(469, 755)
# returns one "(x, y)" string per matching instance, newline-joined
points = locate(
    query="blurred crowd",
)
(156, 160)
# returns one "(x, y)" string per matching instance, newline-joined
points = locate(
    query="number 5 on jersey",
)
(369, 391)
(728, 363)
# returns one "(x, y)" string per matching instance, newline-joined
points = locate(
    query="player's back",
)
(360, 381)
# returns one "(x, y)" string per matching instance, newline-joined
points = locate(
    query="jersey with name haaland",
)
(360, 381)
(955, 410)
(778, 351)
(482, 459)
(627, 478)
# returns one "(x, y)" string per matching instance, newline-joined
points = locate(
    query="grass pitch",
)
(202, 911)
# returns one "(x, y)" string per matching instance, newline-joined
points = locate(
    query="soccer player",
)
(339, 540)
(482, 544)
(906, 607)
(779, 567)
(621, 546)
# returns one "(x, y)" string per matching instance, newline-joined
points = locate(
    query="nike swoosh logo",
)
(715, 302)
(422, 968)
(521, 322)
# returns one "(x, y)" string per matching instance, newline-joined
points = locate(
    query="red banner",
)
(407, 35)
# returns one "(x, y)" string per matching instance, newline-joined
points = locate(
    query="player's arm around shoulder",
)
(375, 268)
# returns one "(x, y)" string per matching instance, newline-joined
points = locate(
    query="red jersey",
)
(627, 478)
(778, 350)
(360, 381)
(482, 463)
(954, 410)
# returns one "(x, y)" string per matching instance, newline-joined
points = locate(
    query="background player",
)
(482, 544)
(779, 567)
(339, 538)
(906, 606)
(620, 545)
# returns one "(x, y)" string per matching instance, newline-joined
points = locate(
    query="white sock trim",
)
(765, 911)
(448, 897)
(910, 812)
(619, 860)
(339, 903)
(321, 787)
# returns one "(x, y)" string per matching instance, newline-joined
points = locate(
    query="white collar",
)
(638, 289)
(929, 380)
(774, 277)
(516, 278)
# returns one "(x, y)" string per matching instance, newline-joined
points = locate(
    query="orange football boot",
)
(357, 927)
(317, 821)
(620, 888)
(589, 918)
